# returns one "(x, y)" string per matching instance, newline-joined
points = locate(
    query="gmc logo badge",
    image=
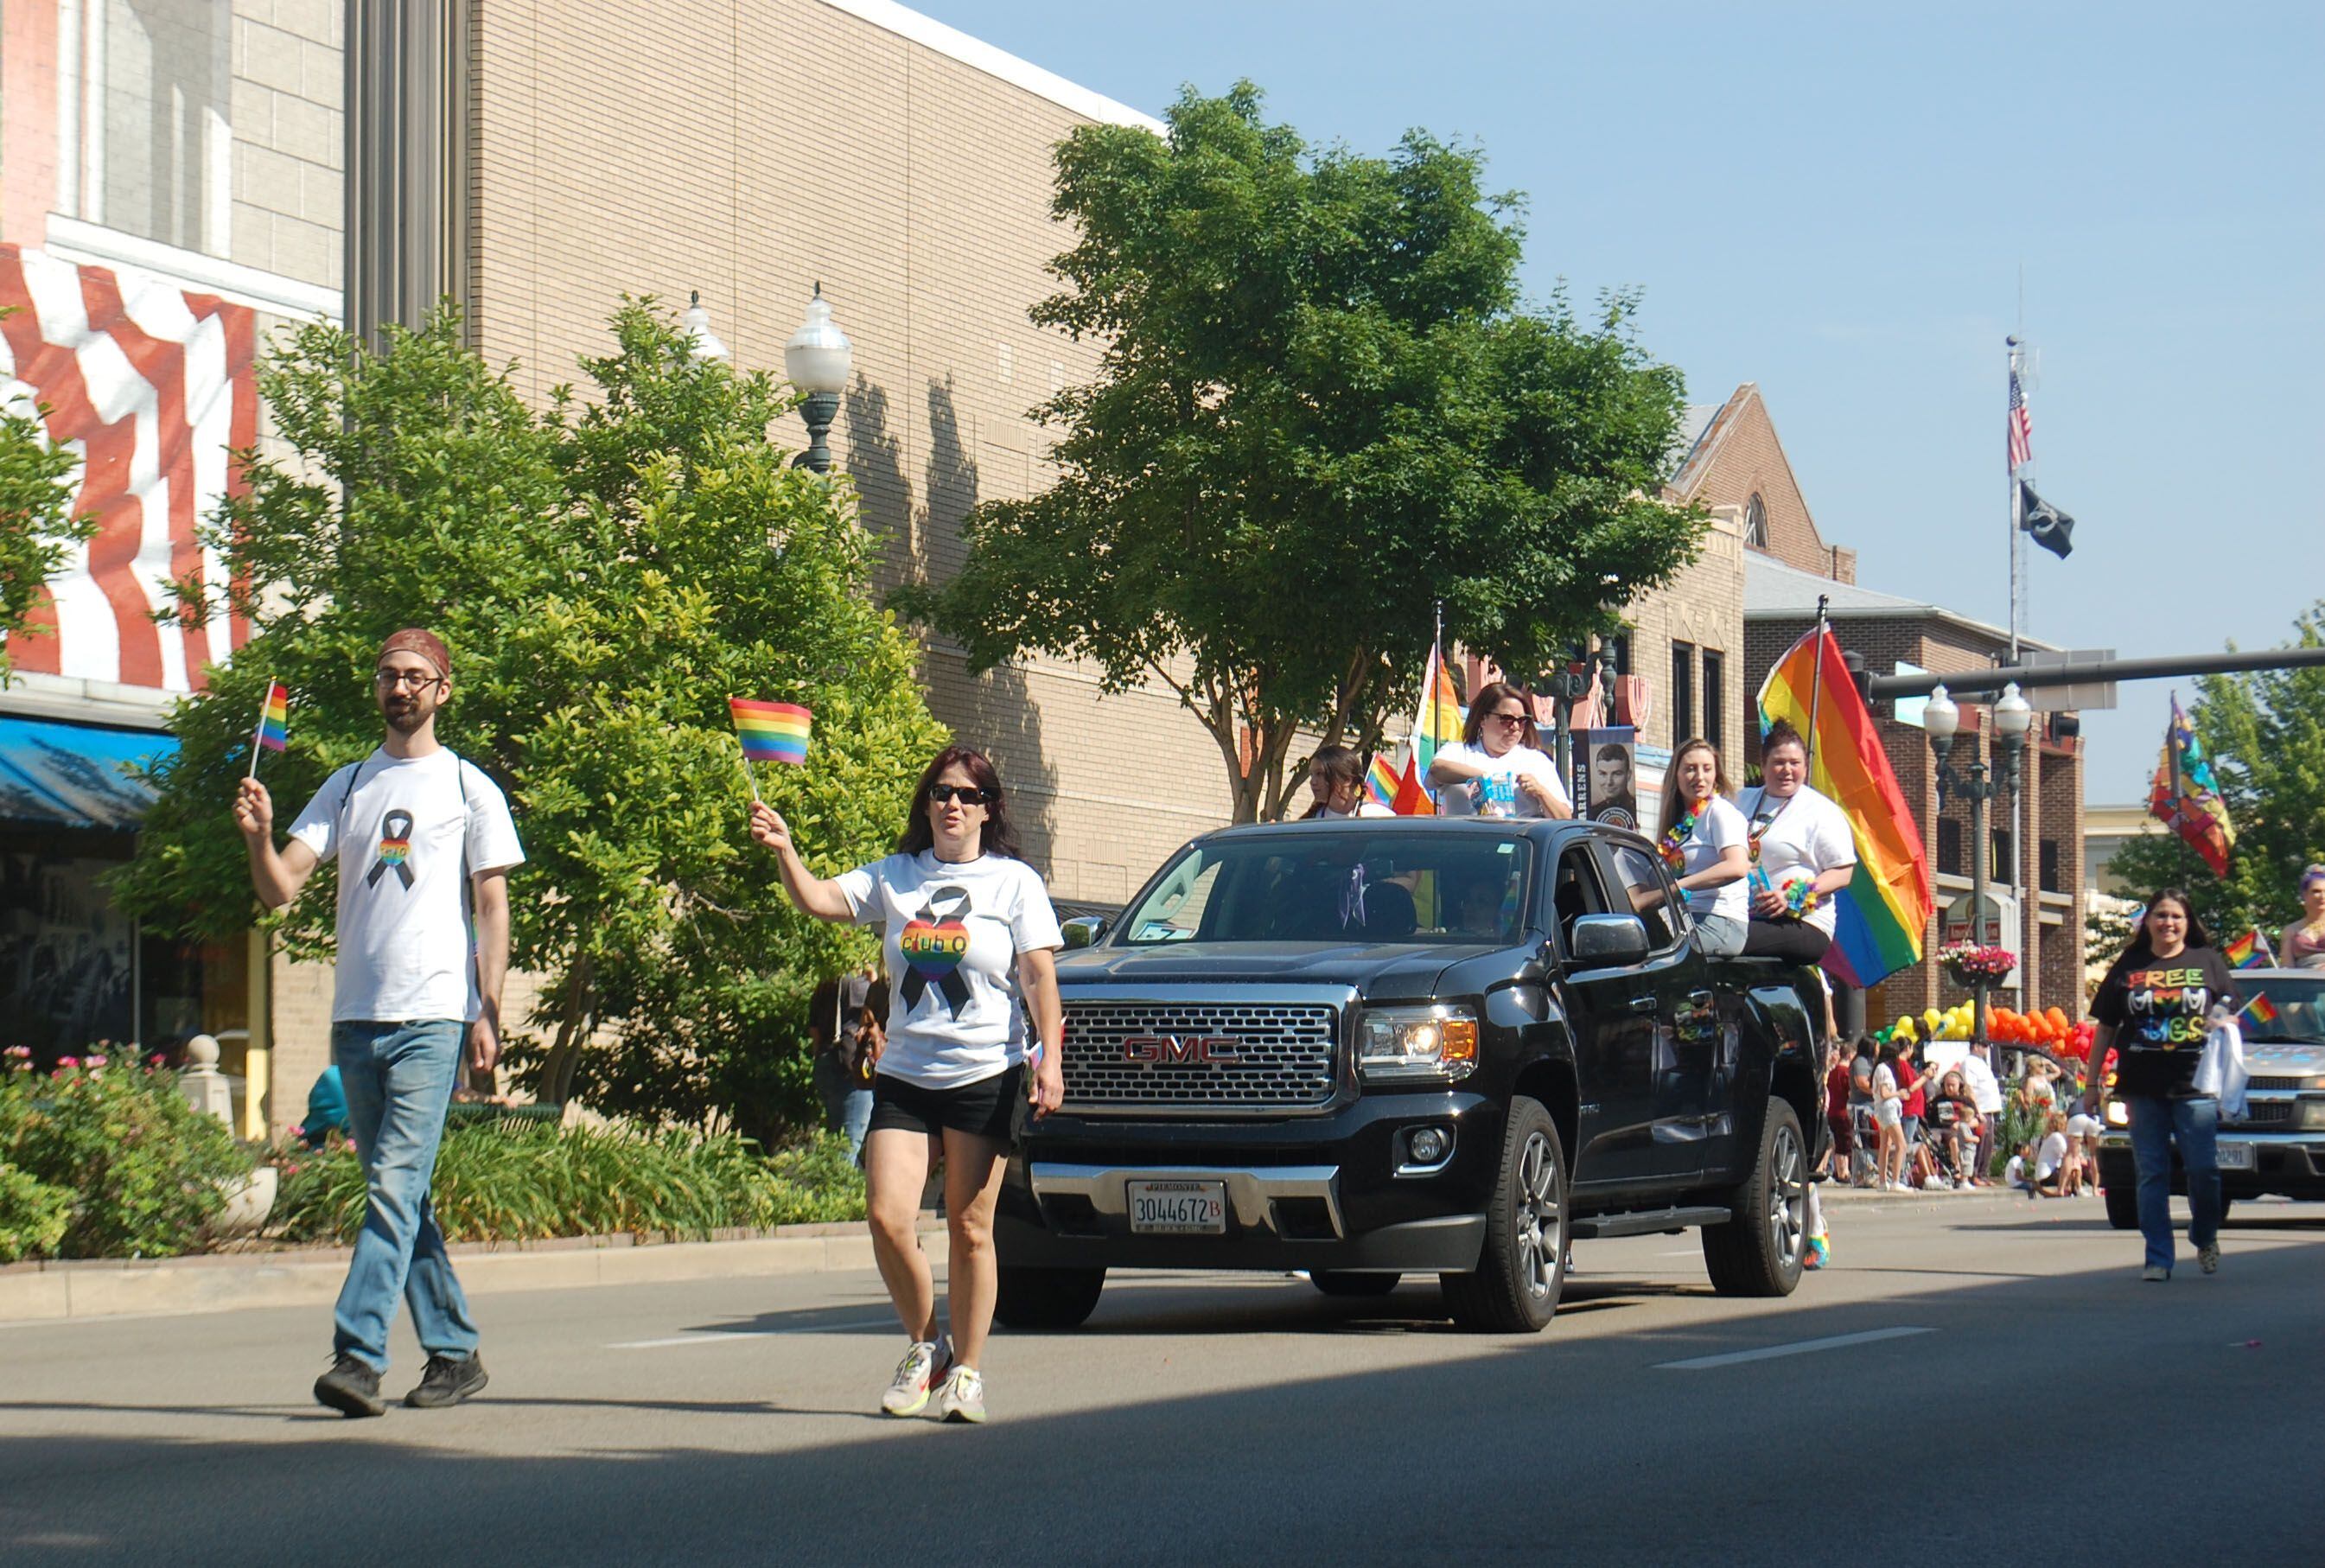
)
(1177, 1050)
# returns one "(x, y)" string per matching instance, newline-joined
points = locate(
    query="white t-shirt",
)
(1460, 799)
(1364, 809)
(1806, 835)
(2014, 1172)
(1984, 1092)
(2082, 1124)
(405, 951)
(1718, 826)
(2049, 1156)
(954, 930)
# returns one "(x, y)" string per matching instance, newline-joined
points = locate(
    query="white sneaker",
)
(1961, 1183)
(962, 1398)
(908, 1393)
(2151, 1275)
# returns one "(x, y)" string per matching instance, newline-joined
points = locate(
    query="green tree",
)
(607, 572)
(36, 533)
(2265, 733)
(1321, 410)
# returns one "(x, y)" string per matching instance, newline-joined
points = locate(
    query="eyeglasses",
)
(966, 795)
(1514, 720)
(395, 680)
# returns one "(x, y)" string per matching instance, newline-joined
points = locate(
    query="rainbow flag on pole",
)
(274, 719)
(1882, 914)
(2248, 950)
(1380, 782)
(772, 732)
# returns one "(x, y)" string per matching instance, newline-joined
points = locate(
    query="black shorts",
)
(983, 1107)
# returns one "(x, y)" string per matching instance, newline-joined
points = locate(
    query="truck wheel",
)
(1514, 1288)
(1759, 1252)
(2122, 1206)
(1340, 1282)
(1047, 1298)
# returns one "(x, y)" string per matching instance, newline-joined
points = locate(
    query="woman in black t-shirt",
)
(2157, 1008)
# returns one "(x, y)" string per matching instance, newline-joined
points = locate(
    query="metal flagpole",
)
(1432, 673)
(2011, 803)
(1816, 689)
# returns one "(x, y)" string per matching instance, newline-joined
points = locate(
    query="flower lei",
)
(1673, 847)
(1800, 898)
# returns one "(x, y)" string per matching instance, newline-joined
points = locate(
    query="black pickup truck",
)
(1369, 1049)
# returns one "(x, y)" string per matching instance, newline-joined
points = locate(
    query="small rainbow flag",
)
(274, 719)
(1380, 782)
(2260, 1010)
(2248, 951)
(771, 731)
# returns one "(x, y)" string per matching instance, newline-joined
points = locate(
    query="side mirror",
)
(1608, 941)
(1083, 930)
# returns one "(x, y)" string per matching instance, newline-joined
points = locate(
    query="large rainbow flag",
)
(1881, 915)
(1436, 721)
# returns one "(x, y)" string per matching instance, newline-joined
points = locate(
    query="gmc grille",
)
(1286, 1057)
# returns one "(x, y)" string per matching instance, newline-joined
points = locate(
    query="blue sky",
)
(1835, 202)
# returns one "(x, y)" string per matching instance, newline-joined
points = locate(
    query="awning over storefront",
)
(75, 776)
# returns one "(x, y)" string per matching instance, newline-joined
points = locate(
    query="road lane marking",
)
(713, 1336)
(1798, 1347)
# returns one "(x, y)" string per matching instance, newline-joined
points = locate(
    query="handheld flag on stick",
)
(2186, 799)
(273, 732)
(1380, 782)
(770, 732)
(2248, 950)
(2260, 1010)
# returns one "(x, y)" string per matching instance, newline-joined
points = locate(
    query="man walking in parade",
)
(418, 834)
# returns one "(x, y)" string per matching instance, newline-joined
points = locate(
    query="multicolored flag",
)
(2184, 797)
(2250, 950)
(2022, 424)
(1880, 915)
(1380, 782)
(274, 719)
(2260, 1010)
(772, 732)
(1438, 720)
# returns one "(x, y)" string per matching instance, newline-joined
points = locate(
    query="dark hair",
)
(1866, 1046)
(998, 837)
(1888, 1057)
(1781, 733)
(1487, 698)
(2138, 950)
(1340, 768)
(1720, 785)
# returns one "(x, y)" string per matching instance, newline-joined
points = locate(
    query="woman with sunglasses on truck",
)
(974, 1027)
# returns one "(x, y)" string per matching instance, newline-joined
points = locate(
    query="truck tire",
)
(1047, 1298)
(1759, 1252)
(2122, 1206)
(1340, 1282)
(1514, 1288)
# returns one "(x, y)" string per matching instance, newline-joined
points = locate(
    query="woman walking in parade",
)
(2155, 1008)
(974, 1025)
(1706, 844)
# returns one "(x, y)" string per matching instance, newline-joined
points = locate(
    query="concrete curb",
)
(229, 1282)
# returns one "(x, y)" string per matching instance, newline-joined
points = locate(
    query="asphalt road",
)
(1943, 1393)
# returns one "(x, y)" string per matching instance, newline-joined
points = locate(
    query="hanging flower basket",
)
(1968, 964)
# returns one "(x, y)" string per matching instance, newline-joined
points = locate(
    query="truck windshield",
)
(2298, 1007)
(1365, 885)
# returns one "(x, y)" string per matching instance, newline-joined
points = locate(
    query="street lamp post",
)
(1942, 719)
(817, 359)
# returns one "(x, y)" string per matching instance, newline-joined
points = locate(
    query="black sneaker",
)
(447, 1382)
(351, 1387)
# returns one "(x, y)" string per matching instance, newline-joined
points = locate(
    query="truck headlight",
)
(2309, 1115)
(1409, 1043)
(2118, 1114)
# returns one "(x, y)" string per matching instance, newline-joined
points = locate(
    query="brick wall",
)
(1703, 608)
(1739, 456)
(289, 139)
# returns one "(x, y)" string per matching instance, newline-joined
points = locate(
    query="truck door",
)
(1615, 1012)
(1689, 1094)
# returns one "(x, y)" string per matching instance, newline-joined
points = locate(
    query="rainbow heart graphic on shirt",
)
(934, 948)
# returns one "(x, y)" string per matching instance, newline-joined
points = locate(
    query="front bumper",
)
(1330, 1191)
(2288, 1164)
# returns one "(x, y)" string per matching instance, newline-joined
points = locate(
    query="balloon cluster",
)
(2050, 1028)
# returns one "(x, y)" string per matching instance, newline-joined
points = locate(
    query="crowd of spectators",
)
(1899, 1126)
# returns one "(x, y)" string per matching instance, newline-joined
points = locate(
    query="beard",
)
(403, 715)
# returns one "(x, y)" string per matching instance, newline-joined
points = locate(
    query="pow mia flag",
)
(2053, 529)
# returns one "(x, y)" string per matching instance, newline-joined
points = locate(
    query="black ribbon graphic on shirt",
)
(945, 907)
(394, 849)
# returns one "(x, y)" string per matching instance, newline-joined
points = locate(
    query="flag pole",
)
(749, 777)
(257, 729)
(1432, 678)
(1816, 689)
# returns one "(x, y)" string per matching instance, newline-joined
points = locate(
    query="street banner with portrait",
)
(1606, 782)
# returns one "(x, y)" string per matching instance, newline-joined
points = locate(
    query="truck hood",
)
(2281, 1059)
(1380, 972)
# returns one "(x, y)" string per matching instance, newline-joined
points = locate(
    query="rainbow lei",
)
(1673, 847)
(1801, 897)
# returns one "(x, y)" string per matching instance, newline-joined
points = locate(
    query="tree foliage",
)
(37, 532)
(2265, 733)
(1321, 410)
(607, 573)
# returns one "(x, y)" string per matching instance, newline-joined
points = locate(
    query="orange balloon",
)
(2057, 1015)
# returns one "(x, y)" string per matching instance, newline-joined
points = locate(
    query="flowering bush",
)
(140, 1170)
(1965, 962)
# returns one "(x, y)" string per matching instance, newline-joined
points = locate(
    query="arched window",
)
(1755, 523)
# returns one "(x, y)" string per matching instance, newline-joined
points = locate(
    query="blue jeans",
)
(398, 1078)
(2157, 1124)
(846, 1103)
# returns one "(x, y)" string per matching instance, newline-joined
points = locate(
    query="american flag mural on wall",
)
(151, 388)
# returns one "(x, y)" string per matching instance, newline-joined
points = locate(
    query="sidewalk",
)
(1840, 1193)
(228, 1281)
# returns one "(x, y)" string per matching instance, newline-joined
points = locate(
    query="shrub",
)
(32, 1215)
(144, 1171)
(498, 1181)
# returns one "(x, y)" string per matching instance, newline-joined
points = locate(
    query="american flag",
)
(150, 388)
(2022, 426)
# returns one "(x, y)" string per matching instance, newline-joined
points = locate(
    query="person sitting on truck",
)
(1706, 842)
(2302, 945)
(1496, 744)
(1336, 779)
(1800, 850)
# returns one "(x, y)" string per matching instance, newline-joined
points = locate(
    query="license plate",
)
(2236, 1156)
(1179, 1208)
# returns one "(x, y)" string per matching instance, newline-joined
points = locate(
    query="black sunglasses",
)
(966, 795)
